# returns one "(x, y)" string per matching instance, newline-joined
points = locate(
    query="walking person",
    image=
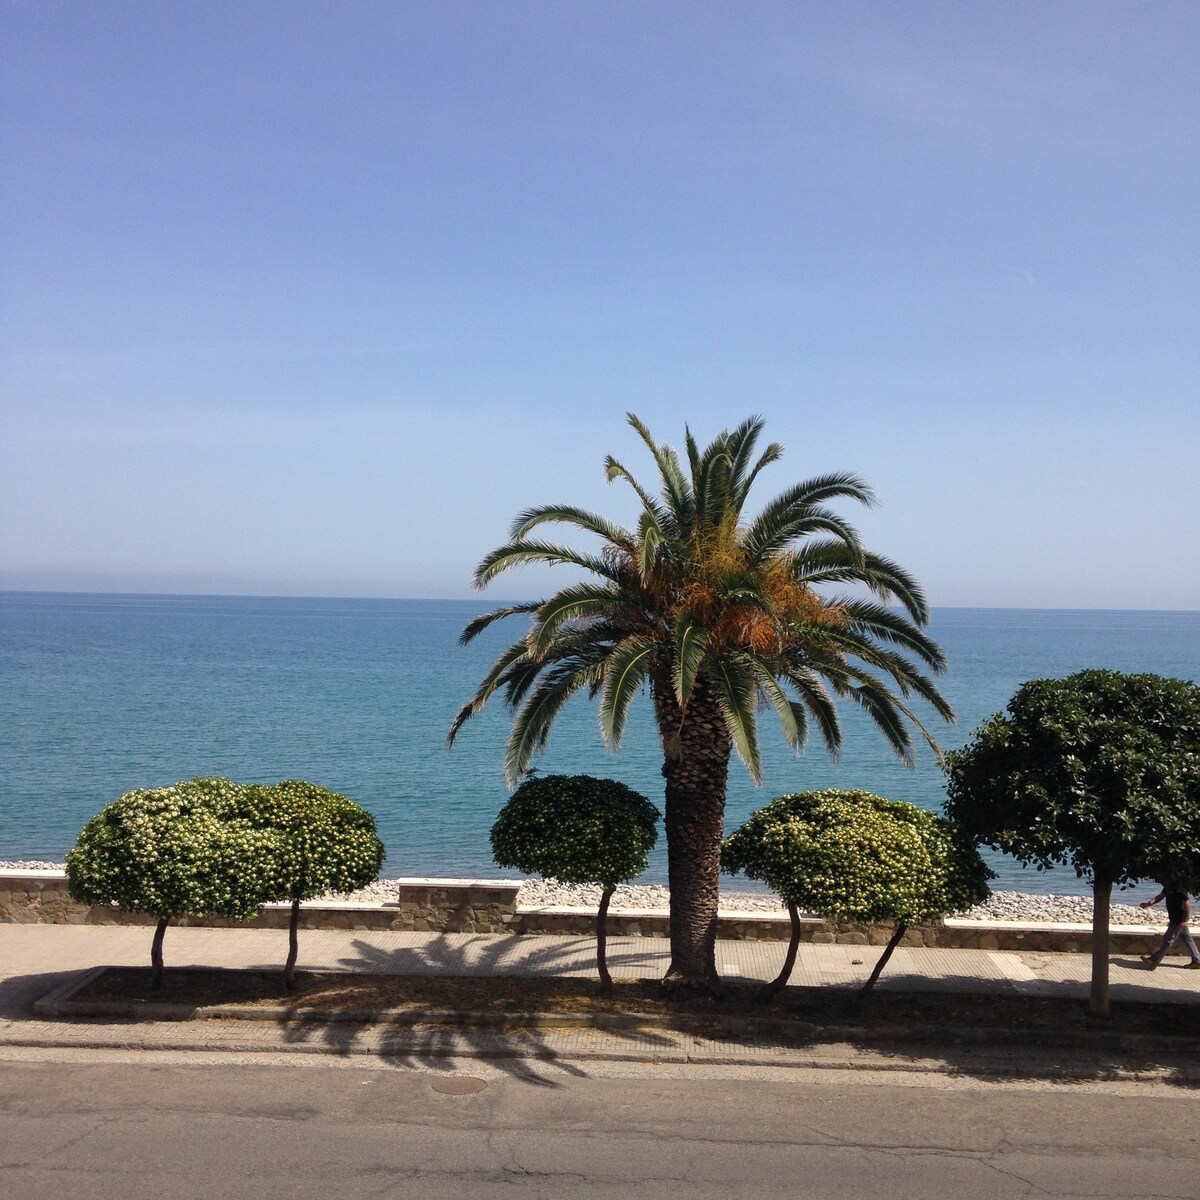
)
(1178, 910)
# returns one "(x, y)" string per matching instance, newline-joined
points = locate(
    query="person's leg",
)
(1152, 960)
(1190, 942)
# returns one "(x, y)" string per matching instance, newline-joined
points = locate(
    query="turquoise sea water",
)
(102, 693)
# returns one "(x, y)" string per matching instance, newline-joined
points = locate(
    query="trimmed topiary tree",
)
(1099, 771)
(325, 843)
(188, 849)
(578, 829)
(854, 856)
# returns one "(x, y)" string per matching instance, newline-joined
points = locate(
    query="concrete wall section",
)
(483, 906)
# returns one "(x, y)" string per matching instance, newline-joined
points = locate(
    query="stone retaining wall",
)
(478, 906)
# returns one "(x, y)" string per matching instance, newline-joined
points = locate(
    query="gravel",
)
(1000, 906)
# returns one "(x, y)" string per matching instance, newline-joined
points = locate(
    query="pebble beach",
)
(999, 906)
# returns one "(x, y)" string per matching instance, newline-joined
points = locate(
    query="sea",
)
(103, 693)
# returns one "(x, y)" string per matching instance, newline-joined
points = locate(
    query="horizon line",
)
(497, 602)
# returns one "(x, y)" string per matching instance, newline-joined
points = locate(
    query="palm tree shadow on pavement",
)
(524, 1053)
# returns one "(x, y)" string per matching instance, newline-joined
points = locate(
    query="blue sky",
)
(305, 298)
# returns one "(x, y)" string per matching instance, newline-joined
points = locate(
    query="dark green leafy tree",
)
(185, 850)
(1099, 771)
(324, 843)
(719, 613)
(854, 856)
(578, 829)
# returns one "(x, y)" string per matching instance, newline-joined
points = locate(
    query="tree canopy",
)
(1099, 771)
(854, 856)
(576, 828)
(189, 849)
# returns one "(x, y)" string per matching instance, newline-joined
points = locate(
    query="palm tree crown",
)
(699, 598)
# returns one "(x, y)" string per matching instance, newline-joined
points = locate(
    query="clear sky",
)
(311, 298)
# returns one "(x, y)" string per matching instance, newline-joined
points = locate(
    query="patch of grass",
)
(348, 993)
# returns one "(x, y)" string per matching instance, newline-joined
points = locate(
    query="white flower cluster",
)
(854, 856)
(211, 847)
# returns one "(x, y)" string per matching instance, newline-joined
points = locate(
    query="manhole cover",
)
(459, 1085)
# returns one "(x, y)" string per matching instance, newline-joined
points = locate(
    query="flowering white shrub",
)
(188, 849)
(323, 842)
(854, 856)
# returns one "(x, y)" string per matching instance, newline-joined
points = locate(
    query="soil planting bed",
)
(505, 999)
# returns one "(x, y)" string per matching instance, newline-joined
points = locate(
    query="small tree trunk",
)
(289, 970)
(606, 982)
(772, 989)
(156, 955)
(1101, 898)
(901, 926)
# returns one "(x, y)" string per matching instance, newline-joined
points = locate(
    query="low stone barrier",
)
(490, 906)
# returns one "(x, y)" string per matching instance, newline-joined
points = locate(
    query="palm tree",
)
(720, 615)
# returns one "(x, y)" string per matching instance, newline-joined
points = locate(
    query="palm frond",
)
(907, 678)
(531, 728)
(584, 599)
(891, 626)
(615, 470)
(675, 486)
(734, 685)
(773, 453)
(886, 711)
(691, 645)
(815, 697)
(624, 673)
(712, 490)
(740, 446)
(477, 625)
(569, 514)
(523, 553)
(773, 531)
(888, 580)
(650, 538)
(491, 681)
(792, 717)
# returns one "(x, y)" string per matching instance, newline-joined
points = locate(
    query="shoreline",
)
(539, 893)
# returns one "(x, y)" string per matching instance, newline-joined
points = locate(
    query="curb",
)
(898, 1061)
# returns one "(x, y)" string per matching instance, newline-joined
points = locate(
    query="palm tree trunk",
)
(602, 940)
(696, 750)
(1101, 898)
(156, 955)
(772, 989)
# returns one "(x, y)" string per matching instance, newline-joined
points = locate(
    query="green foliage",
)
(853, 856)
(185, 849)
(327, 843)
(210, 847)
(1099, 770)
(576, 828)
(700, 596)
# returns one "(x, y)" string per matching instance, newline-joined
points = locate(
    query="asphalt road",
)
(173, 1127)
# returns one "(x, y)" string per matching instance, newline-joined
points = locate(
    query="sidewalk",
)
(35, 959)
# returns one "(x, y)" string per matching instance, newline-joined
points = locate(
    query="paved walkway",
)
(35, 959)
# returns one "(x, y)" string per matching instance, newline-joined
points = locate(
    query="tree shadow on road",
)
(521, 1051)
(1151, 1034)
